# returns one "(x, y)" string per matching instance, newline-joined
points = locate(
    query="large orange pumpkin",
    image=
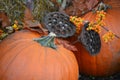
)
(21, 58)
(107, 61)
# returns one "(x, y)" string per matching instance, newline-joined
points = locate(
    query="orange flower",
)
(109, 36)
(100, 15)
(78, 21)
(96, 26)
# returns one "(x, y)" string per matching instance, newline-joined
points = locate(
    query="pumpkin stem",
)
(47, 41)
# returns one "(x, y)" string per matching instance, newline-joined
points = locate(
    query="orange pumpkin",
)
(21, 58)
(107, 61)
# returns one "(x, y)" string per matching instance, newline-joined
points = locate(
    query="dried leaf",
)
(28, 15)
(4, 20)
(91, 3)
(66, 44)
(32, 24)
(80, 7)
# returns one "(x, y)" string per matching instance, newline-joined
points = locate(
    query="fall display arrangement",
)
(59, 40)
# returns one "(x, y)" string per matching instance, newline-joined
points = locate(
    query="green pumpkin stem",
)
(47, 41)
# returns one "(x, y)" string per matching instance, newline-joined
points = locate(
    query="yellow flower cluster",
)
(100, 15)
(78, 21)
(100, 18)
(109, 36)
(96, 26)
(15, 25)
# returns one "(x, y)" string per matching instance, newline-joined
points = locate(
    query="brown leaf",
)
(32, 24)
(1, 32)
(91, 3)
(66, 44)
(4, 19)
(28, 15)
(81, 7)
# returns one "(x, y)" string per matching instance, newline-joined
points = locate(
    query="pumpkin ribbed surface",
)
(21, 58)
(107, 61)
